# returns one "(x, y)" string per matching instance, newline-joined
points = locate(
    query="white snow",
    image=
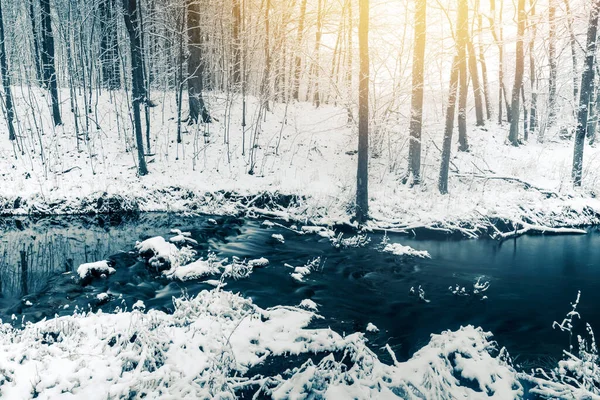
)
(95, 268)
(372, 328)
(400, 250)
(309, 305)
(258, 262)
(319, 230)
(214, 282)
(181, 237)
(162, 254)
(102, 296)
(205, 348)
(195, 270)
(139, 305)
(278, 237)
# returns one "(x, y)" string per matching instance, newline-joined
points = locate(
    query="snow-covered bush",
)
(577, 375)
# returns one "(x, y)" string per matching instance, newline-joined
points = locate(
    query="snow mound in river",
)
(97, 268)
(400, 250)
(205, 349)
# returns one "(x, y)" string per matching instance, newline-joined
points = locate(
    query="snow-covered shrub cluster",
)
(162, 255)
(453, 365)
(577, 375)
(300, 273)
(209, 344)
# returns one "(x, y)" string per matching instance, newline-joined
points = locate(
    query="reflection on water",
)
(532, 279)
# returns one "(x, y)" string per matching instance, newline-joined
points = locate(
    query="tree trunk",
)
(362, 176)
(532, 73)
(416, 105)
(137, 80)
(462, 27)
(8, 101)
(476, 85)
(267, 73)
(237, 24)
(36, 45)
(573, 43)
(109, 57)
(486, 91)
(316, 66)
(513, 136)
(552, 62)
(587, 87)
(49, 70)
(449, 127)
(349, 60)
(195, 65)
(298, 64)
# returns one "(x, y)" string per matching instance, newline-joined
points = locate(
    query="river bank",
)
(303, 165)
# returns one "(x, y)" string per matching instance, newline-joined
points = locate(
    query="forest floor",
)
(304, 169)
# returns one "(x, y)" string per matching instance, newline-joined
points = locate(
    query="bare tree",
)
(362, 176)
(587, 88)
(532, 72)
(49, 70)
(109, 57)
(416, 105)
(298, 62)
(237, 25)
(462, 33)
(195, 65)
(552, 62)
(8, 101)
(36, 44)
(513, 136)
(132, 24)
(449, 127)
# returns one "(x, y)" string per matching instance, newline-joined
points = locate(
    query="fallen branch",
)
(527, 185)
(538, 229)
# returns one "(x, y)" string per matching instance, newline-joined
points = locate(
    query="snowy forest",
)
(299, 199)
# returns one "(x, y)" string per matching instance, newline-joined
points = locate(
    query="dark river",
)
(532, 279)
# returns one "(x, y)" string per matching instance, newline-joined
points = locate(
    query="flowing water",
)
(532, 279)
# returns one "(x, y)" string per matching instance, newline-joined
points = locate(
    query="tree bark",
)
(513, 136)
(8, 100)
(573, 43)
(484, 76)
(109, 57)
(462, 27)
(479, 120)
(532, 73)
(552, 62)
(416, 105)
(298, 62)
(587, 87)
(133, 30)
(362, 176)
(49, 70)
(449, 127)
(36, 45)
(195, 65)
(237, 24)
(316, 66)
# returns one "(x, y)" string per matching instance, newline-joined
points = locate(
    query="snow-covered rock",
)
(399, 250)
(95, 269)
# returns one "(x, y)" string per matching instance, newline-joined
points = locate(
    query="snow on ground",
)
(301, 151)
(210, 342)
